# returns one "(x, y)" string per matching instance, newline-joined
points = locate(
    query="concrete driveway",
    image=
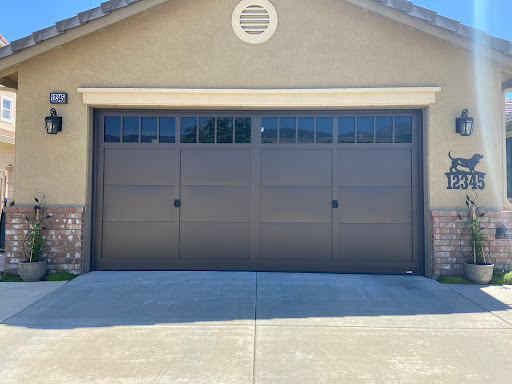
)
(229, 327)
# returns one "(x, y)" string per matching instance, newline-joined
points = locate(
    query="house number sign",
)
(58, 98)
(462, 174)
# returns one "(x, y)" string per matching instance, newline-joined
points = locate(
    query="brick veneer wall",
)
(65, 238)
(448, 247)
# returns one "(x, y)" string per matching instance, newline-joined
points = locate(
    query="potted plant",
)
(34, 246)
(478, 267)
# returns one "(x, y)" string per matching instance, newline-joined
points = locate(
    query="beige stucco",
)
(320, 44)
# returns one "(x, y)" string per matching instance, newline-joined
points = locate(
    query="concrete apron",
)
(238, 327)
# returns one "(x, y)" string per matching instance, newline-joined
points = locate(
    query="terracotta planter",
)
(30, 272)
(478, 274)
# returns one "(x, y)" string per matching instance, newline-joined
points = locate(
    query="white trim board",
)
(324, 98)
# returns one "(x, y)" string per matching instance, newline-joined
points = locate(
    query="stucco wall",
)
(6, 155)
(190, 44)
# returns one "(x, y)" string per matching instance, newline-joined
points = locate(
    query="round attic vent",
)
(254, 21)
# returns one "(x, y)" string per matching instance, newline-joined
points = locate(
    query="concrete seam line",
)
(255, 329)
(24, 309)
(467, 298)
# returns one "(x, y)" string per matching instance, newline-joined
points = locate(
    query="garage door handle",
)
(177, 203)
(335, 204)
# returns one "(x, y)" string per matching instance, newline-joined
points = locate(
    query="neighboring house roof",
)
(421, 14)
(3, 41)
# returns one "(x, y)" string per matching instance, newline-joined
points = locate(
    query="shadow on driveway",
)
(106, 299)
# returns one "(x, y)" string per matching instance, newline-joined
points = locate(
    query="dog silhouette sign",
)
(462, 174)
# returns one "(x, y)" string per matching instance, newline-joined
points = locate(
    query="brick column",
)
(65, 238)
(448, 247)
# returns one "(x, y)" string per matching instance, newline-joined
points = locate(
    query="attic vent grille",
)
(254, 21)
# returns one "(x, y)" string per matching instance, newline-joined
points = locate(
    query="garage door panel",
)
(139, 203)
(375, 242)
(215, 241)
(371, 167)
(128, 166)
(296, 204)
(216, 167)
(216, 203)
(375, 205)
(296, 167)
(140, 240)
(296, 241)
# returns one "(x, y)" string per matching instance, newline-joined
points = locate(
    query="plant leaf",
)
(467, 204)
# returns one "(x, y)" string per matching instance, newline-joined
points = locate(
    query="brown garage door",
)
(308, 191)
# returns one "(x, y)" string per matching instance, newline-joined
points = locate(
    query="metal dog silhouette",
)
(470, 164)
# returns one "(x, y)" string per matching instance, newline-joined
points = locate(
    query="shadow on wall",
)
(105, 299)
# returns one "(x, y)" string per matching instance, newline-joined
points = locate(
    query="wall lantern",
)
(53, 123)
(464, 124)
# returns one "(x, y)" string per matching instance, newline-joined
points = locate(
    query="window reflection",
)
(269, 130)
(365, 129)
(167, 130)
(403, 129)
(287, 130)
(384, 129)
(207, 129)
(224, 130)
(324, 130)
(130, 129)
(148, 129)
(243, 130)
(188, 129)
(346, 130)
(306, 130)
(112, 129)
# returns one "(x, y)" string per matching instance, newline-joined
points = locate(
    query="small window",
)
(346, 129)
(206, 130)
(225, 130)
(130, 129)
(287, 130)
(243, 130)
(324, 130)
(188, 129)
(306, 130)
(112, 129)
(269, 130)
(148, 130)
(403, 129)
(365, 129)
(384, 129)
(167, 130)
(7, 109)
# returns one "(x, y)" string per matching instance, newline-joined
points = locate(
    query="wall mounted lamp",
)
(53, 123)
(464, 125)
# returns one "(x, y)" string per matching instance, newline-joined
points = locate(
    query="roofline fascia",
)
(421, 25)
(9, 64)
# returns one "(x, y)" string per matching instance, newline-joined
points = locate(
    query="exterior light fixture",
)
(53, 123)
(464, 124)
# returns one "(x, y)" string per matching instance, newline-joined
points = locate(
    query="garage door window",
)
(292, 130)
(403, 129)
(220, 130)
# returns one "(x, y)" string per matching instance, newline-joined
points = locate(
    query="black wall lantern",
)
(464, 124)
(53, 123)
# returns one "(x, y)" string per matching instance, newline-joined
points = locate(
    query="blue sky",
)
(20, 18)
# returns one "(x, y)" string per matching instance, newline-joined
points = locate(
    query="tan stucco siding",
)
(190, 44)
(6, 155)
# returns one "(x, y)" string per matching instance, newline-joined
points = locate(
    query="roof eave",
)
(65, 31)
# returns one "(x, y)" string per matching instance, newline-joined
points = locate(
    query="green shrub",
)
(60, 276)
(10, 278)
